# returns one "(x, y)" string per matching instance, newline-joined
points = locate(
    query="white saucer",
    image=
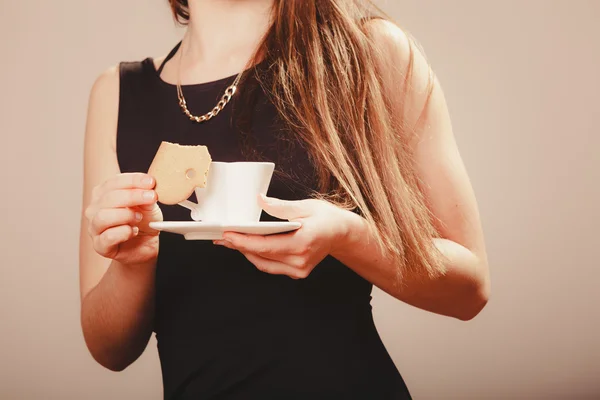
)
(193, 230)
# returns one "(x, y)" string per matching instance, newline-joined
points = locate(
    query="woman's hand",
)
(118, 216)
(294, 254)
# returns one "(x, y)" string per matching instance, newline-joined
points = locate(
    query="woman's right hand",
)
(118, 216)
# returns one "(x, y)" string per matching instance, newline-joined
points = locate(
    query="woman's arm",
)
(464, 290)
(327, 230)
(116, 298)
(461, 292)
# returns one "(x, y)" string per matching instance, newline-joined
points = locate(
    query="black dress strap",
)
(168, 57)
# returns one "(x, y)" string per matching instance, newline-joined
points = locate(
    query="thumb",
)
(283, 209)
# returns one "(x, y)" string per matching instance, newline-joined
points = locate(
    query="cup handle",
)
(193, 207)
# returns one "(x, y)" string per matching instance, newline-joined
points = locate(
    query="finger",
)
(153, 207)
(111, 217)
(107, 243)
(274, 267)
(133, 180)
(284, 209)
(121, 198)
(273, 246)
(89, 212)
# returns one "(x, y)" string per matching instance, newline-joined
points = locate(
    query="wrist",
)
(136, 271)
(349, 231)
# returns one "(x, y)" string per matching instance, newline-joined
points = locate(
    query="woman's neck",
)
(225, 31)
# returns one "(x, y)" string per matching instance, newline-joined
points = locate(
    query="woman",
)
(357, 126)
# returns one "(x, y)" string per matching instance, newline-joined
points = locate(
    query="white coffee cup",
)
(231, 193)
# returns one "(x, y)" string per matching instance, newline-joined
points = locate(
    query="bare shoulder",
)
(100, 160)
(106, 85)
(391, 41)
(397, 52)
(407, 76)
(420, 102)
(103, 107)
(158, 61)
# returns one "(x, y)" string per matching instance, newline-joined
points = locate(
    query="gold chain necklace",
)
(229, 92)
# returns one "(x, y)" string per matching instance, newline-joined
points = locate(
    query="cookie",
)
(178, 170)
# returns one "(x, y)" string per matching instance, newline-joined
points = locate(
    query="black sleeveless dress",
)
(224, 329)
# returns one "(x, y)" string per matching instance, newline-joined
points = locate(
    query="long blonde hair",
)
(323, 79)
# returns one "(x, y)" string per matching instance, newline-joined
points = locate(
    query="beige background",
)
(521, 78)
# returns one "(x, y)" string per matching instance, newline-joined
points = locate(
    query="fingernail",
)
(138, 216)
(149, 195)
(136, 230)
(223, 243)
(147, 181)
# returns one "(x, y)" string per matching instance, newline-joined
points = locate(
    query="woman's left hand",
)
(296, 253)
